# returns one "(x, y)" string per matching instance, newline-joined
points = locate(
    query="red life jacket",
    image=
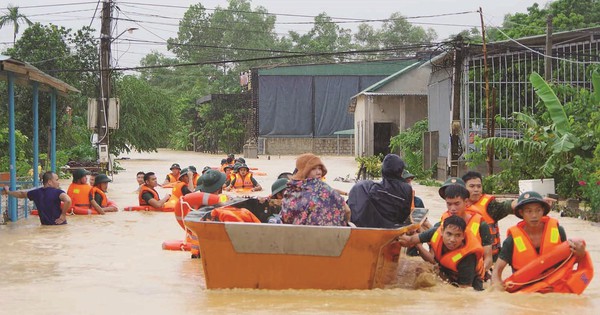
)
(144, 189)
(524, 251)
(95, 190)
(480, 207)
(451, 259)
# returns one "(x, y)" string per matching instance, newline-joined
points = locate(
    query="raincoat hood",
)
(392, 167)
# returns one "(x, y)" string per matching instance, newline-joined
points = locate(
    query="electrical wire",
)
(94, 15)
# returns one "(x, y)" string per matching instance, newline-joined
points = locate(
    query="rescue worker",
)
(458, 253)
(174, 175)
(195, 175)
(79, 189)
(536, 234)
(485, 205)
(184, 184)
(97, 196)
(244, 180)
(148, 196)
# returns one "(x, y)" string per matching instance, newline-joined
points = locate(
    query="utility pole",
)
(455, 126)
(548, 53)
(105, 85)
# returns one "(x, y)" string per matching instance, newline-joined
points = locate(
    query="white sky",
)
(161, 29)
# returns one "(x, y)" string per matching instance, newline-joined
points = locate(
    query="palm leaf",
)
(555, 108)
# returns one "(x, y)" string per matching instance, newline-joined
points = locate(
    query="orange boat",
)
(283, 256)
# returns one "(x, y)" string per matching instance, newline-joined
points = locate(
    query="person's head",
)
(453, 232)
(183, 176)
(236, 166)
(140, 177)
(392, 167)
(206, 168)
(531, 207)
(175, 169)
(192, 169)
(150, 180)
(93, 178)
(211, 182)
(309, 166)
(278, 188)
(102, 182)
(449, 182)
(80, 176)
(407, 176)
(243, 170)
(456, 199)
(227, 169)
(50, 179)
(240, 160)
(473, 182)
(224, 161)
(286, 175)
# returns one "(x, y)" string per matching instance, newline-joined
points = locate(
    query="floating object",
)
(176, 245)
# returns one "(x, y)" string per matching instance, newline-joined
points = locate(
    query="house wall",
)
(412, 82)
(439, 96)
(360, 125)
(319, 146)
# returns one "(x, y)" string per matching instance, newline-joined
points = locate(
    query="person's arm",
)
(499, 210)
(190, 183)
(341, 192)
(15, 193)
(65, 207)
(257, 186)
(578, 247)
(411, 240)
(486, 242)
(497, 281)
(427, 255)
(167, 180)
(159, 203)
(95, 203)
(347, 213)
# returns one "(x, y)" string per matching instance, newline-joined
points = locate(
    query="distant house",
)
(389, 106)
(301, 107)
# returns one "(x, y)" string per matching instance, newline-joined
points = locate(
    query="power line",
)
(94, 15)
(58, 13)
(54, 5)
(211, 46)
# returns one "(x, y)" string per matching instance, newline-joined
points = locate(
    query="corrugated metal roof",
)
(386, 68)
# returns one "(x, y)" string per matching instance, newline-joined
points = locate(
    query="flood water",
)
(114, 264)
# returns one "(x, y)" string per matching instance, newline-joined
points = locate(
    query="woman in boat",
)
(536, 235)
(310, 201)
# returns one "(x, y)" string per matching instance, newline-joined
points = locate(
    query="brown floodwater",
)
(114, 264)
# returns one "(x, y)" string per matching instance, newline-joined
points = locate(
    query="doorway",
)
(382, 132)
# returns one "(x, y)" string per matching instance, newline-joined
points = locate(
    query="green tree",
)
(398, 33)
(15, 18)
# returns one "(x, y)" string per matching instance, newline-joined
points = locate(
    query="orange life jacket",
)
(480, 207)
(232, 214)
(144, 189)
(177, 189)
(245, 182)
(172, 178)
(80, 194)
(472, 225)
(93, 191)
(451, 259)
(524, 251)
(195, 179)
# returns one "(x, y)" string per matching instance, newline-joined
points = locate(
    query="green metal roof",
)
(377, 85)
(386, 68)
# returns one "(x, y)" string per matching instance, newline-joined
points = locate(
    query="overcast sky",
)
(78, 13)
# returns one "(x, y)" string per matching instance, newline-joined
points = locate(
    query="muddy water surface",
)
(113, 264)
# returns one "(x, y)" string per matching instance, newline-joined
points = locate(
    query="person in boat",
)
(174, 175)
(457, 199)
(140, 180)
(228, 170)
(211, 182)
(408, 178)
(244, 180)
(47, 199)
(286, 175)
(148, 196)
(310, 201)
(386, 204)
(273, 208)
(487, 206)
(457, 252)
(536, 234)
(79, 189)
(97, 196)
(184, 185)
(195, 176)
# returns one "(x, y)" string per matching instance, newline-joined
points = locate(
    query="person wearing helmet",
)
(228, 170)
(98, 199)
(536, 234)
(195, 175)
(174, 175)
(244, 180)
(79, 189)
(184, 185)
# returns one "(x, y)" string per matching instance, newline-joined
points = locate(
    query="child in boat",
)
(535, 235)
(98, 199)
(310, 201)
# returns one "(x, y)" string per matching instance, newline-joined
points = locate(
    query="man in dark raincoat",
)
(385, 204)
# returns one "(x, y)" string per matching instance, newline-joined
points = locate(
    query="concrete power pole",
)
(105, 86)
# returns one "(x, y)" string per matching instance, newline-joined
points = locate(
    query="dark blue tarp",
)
(303, 106)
